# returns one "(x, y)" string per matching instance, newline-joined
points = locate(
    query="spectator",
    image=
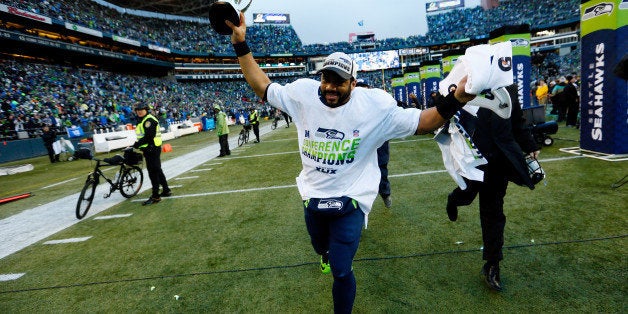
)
(49, 137)
(222, 130)
(571, 101)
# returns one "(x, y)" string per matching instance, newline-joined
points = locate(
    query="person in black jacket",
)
(49, 136)
(149, 142)
(503, 143)
(571, 101)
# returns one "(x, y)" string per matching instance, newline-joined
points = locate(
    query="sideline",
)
(33, 225)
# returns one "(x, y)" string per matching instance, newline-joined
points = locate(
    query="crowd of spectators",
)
(35, 94)
(196, 36)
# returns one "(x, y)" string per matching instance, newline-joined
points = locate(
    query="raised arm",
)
(251, 70)
(445, 108)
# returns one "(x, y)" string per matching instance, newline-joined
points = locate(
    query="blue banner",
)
(603, 103)
(75, 131)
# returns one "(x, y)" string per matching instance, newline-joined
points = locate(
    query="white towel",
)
(487, 67)
(460, 156)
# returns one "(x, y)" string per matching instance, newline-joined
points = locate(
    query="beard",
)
(334, 99)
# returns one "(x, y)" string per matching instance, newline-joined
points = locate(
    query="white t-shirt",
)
(338, 146)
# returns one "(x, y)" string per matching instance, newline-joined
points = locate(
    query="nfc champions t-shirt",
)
(338, 146)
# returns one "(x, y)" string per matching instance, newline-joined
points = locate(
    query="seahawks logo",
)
(330, 204)
(520, 42)
(330, 134)
(597, 10)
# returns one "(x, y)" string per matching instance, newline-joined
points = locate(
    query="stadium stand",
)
(51, 91)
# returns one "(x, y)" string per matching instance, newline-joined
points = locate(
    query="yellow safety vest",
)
(139, 131)
(253, 117)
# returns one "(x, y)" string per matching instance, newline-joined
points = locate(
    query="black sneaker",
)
(452, 209)
(151, 200)
(166, 193)
(387, 201)
(490, 272)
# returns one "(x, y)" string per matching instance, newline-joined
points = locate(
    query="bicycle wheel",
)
(86, 197)
(241, 138)
(131, 181)
(246, 136)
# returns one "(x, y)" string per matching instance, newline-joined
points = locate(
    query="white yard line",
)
(8, 277)
(186, 178)
(69, 240)
(112, 216)
(58, 183)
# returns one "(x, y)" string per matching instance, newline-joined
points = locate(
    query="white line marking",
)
(414, 140)
(231, 191)
(213, 164)
(186, 178)
(560, 158)
(175, 186)
(8, 277)
(280, 140)
(70, 240)
(416, 173)
(112, 216)
(264, 155)
(58, 183)
(202, 169)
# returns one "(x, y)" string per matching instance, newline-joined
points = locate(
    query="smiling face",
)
(335, 91)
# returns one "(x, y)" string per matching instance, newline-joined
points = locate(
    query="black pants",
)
(492, 192)
(287, 118)
(572, 114)
(155, 174)
(383, 155)
(224, 144)
(256, 131)
(51, 153)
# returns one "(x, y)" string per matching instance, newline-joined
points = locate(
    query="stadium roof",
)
(176, 7)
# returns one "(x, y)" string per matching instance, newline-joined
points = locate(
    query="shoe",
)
(221, 155)
(452, 210)
(151, 200)
(387, 201)
(256, 141)
(228, 153)
(325, 267)
(490, 272)
(166, 193)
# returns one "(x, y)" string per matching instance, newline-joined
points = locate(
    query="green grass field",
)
(246, 249)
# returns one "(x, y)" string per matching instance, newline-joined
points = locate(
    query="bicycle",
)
(275, 121)
(128, 179)
(244, 135)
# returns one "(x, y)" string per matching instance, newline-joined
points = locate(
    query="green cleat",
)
(325, 267)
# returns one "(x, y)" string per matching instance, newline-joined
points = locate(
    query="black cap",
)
(220, 11)
(141, 105)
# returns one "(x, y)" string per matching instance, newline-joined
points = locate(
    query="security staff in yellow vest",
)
(254, 120)
(149, 142)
